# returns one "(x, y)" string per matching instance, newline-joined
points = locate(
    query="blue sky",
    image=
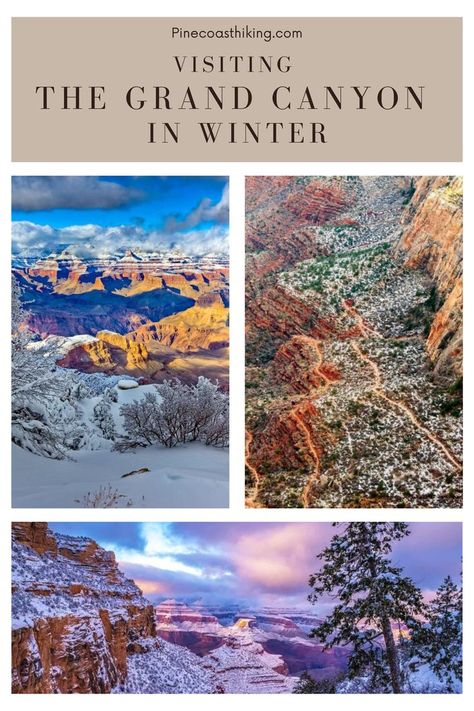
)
(254, 564)
(105, 211)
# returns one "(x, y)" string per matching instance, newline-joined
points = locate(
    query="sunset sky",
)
(254, 564)
(113, 211)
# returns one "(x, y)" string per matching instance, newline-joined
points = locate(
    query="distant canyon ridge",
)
(147, 315)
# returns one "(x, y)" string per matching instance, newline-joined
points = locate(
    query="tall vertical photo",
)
(120, 341)
(354, 342)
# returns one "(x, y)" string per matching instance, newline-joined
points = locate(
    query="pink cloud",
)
(279, 559)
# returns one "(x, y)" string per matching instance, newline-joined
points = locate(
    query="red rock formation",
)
(76, 618)
(291, 207)
(279, 319)
(147, 336)
(136, 353)
(291, 441)
(35, 535)
(282, 443)
(197, 631)
(204, 326)
(298, 363)
(282, 314)
(316, 204)
(107, 352)
(83, 356)
(74, 284)
(432, 240)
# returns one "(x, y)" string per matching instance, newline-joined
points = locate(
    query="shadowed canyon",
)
(148, 316)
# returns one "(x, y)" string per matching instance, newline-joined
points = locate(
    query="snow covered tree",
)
(210, 409)
(45, 415)
(373, 596)
(140, 422)
(216, 430)
(177, 413)
(104, 419)
(438, 642)
(36, 390)
(308, 685)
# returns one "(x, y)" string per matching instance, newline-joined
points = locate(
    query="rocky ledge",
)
(80, 626)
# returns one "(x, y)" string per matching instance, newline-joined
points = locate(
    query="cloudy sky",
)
(102, 214)
(252, 564)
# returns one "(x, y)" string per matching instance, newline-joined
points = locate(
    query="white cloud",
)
(98, 241)
(204, 212)
(162, 550)
(160, 562)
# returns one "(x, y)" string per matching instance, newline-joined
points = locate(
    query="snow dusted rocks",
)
(166, 669)
(127, 384)
(249, 653)
(80, 626)
(247, 671)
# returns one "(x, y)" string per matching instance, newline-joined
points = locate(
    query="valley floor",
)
(189, 476)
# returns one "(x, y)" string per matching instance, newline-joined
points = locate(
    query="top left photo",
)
(120, 342)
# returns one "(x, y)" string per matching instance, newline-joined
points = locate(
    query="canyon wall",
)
(351, 283)
(76, 617)
(432, 240)
(142, 321)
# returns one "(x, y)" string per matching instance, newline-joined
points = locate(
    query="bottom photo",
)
(233, 608)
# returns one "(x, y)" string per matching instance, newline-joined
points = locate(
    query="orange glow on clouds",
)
(151, 587)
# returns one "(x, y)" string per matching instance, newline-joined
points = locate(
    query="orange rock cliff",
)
(76, 617)
(432, 239)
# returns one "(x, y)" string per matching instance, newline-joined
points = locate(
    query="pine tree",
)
(438, 642)
(373, 595)
(307, 685)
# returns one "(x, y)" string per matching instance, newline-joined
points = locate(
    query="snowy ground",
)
(191, 476)
(186, 476)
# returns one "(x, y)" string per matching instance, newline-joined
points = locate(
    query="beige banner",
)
(237, 89)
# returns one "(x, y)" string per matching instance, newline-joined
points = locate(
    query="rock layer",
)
(432, 239)
(76, 618)
(141, 319)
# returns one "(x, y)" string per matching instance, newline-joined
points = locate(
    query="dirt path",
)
(251, 501)
(252, 498)
(364, 328)
(366, 331)
(316, 474)
(317, 369)
(378, 390)
(315, 454)
(375, 369)
(304, 429)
